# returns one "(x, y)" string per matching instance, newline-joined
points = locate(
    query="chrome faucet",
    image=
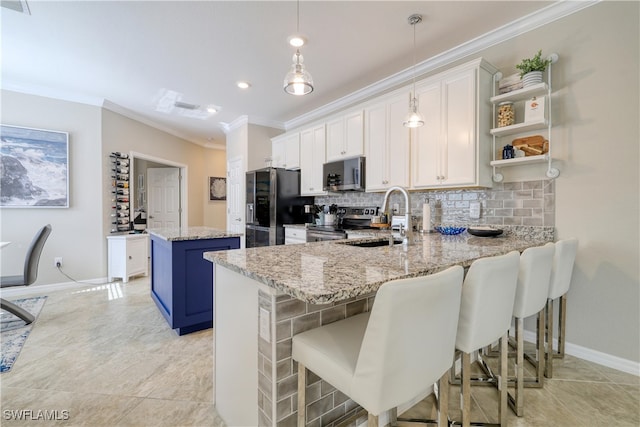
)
(407, 232)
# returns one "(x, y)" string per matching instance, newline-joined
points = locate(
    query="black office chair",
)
(28, 277)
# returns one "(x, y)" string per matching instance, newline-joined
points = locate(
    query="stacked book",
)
(509, 83)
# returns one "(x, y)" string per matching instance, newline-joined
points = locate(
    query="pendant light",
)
(414, 118)
(298, 81)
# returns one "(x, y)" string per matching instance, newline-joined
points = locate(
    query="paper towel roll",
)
(426, 217)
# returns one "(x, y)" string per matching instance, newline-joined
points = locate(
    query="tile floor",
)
(106, 355)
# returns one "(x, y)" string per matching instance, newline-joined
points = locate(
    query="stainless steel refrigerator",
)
(272, 200)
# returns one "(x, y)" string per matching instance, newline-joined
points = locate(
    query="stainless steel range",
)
(348, 218)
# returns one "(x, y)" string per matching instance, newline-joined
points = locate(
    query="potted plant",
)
(531, 69)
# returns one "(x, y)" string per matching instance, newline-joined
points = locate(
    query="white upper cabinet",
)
(387, 143)
(312, 158)
(345, 136)
(452, 148)
(285, 151)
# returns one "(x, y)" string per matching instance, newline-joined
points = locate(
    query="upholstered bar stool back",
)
(561, 272)
(394, 353)
(531, 298)
(488, 294)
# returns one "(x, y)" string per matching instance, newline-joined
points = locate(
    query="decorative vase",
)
(532, 78)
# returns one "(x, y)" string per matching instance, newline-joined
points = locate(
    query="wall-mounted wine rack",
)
(121, 199)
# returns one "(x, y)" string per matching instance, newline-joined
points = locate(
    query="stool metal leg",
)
(503, 380)
(562, 319)
(372, 421)
(443, 401)
(548, 368)
(562, 316)
(302, 391)
(465, 374)
(516, 403)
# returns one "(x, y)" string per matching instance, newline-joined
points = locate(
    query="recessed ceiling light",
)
(212, 109)
(243, 85)
(297, 40)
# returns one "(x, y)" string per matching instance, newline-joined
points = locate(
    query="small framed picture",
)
(217, 188)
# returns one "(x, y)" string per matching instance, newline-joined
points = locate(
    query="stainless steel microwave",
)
(344, 175)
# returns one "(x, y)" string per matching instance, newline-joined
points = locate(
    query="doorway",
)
(172, 190)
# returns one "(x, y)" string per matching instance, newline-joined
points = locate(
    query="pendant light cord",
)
(414, 58)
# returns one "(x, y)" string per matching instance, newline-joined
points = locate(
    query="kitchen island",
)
(264, 296)
(181, 280)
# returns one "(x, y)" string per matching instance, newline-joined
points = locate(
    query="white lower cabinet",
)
(128, 255)
(294, 235)
(312, 158)
(387, 143)
(453, 146)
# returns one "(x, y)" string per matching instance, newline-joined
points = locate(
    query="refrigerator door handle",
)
(249, 213)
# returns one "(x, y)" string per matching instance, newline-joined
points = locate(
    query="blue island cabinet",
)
(182, 280)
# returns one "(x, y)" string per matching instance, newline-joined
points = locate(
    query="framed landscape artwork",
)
(34, 168)
(217, 188)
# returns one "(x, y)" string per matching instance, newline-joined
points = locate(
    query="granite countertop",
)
(190, 233)
(330, 271)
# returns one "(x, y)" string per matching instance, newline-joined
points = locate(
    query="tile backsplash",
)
(530, 203)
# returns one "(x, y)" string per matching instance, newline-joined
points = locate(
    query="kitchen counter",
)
(332, 271)
(264, 296)
(190, 233)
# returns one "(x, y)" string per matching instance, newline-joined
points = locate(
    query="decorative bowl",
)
(484, 231)
(449, 230)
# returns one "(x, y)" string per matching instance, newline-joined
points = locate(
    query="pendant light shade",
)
(298, 81)
(414, 118)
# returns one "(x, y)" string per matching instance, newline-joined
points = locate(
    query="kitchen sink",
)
(370, 243)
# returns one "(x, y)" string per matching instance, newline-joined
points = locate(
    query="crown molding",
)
(235, 124)
(47, 92)
(535, 20)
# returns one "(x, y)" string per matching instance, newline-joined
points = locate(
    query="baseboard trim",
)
(39, 289)
(595, 356)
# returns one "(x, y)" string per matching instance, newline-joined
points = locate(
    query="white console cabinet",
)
(128, 255)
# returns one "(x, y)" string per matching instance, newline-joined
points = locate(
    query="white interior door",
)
(235, 196)
(163, 192)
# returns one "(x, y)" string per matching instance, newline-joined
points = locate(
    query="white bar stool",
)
(563, 261)
(488, 295)
(531, 297)
(394, 353)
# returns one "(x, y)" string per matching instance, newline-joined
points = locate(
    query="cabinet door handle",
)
(130, 257)
(239, 219)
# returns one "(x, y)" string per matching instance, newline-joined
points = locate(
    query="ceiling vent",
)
(17, 5)
(186, 106)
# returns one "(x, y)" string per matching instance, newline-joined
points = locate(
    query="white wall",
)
(121, 133)
(596, 142)
(77, 232)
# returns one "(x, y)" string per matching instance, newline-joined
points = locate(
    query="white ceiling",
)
(127, 53)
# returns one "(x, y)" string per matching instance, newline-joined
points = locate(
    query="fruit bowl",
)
(449, 230)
